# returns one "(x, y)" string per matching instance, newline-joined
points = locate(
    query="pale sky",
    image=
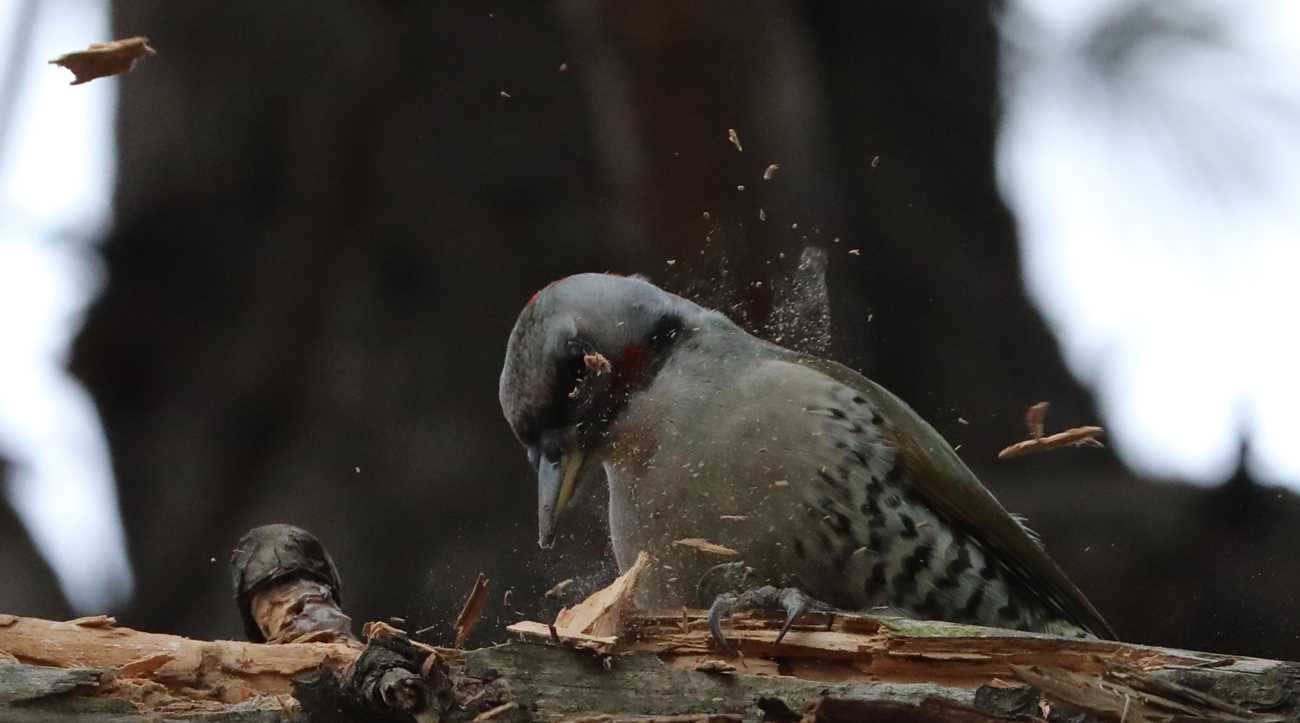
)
(56, 172)
(1160, 225)
(1156, 202)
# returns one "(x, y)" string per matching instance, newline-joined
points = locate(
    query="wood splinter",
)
(1035, 417)
(472, 610)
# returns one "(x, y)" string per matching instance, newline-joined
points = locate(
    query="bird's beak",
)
(555, 483)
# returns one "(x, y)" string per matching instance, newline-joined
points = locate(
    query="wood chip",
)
(470, 612)
(596, 362)
(379, 629)
(734, 139)
(781, 483)
(770, 171)
(94, 621)
(496, 713)
(602, 613)
(733, 518)
(101, 60)
(559, 589)
(143, 667)
(716, 666)
(1035, 416)
(705, 546)
(1077, 437)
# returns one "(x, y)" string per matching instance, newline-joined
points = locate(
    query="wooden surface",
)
(661, 665)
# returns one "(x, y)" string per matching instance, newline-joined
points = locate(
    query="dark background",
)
(328, 215)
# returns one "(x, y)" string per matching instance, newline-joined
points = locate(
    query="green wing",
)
(948, 485)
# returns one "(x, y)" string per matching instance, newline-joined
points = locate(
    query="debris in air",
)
(472, 610)
(801, 315)
(875, 161)
(564, 67)
(102, 60)
(504, 95)
(558, 589)
(705, 546)
(855, 252)
(770, 171)
(762, 215)
(740, 188)
(596, 362)
(734, 139)
(1035, 417)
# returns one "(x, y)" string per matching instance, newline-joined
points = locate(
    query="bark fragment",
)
(101, 60)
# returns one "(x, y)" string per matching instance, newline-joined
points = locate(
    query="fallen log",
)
(601, 660)
(661, 664)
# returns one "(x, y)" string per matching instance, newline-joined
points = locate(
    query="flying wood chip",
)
(1035, 417)
(734, 139)
(558, 589)
(596, 362)
(469, 614)
(706, 546)
(1077, 437)
(101, 60)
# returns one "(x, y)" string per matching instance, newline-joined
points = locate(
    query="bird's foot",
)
(727, 577)
(792, 600)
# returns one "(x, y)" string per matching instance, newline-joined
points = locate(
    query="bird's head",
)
(579, 349)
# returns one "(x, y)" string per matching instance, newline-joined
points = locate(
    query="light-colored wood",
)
(220, 670)
(663, 664)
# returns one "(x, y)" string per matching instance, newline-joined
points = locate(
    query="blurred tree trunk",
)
(328, 215)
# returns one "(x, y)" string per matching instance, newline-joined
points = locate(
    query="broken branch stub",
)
(287, 587)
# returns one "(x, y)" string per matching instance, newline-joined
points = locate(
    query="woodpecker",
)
(833, 492)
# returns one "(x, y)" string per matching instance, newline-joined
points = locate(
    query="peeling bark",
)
(660, 666)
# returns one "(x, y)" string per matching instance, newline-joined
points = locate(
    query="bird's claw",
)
(792, 600)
